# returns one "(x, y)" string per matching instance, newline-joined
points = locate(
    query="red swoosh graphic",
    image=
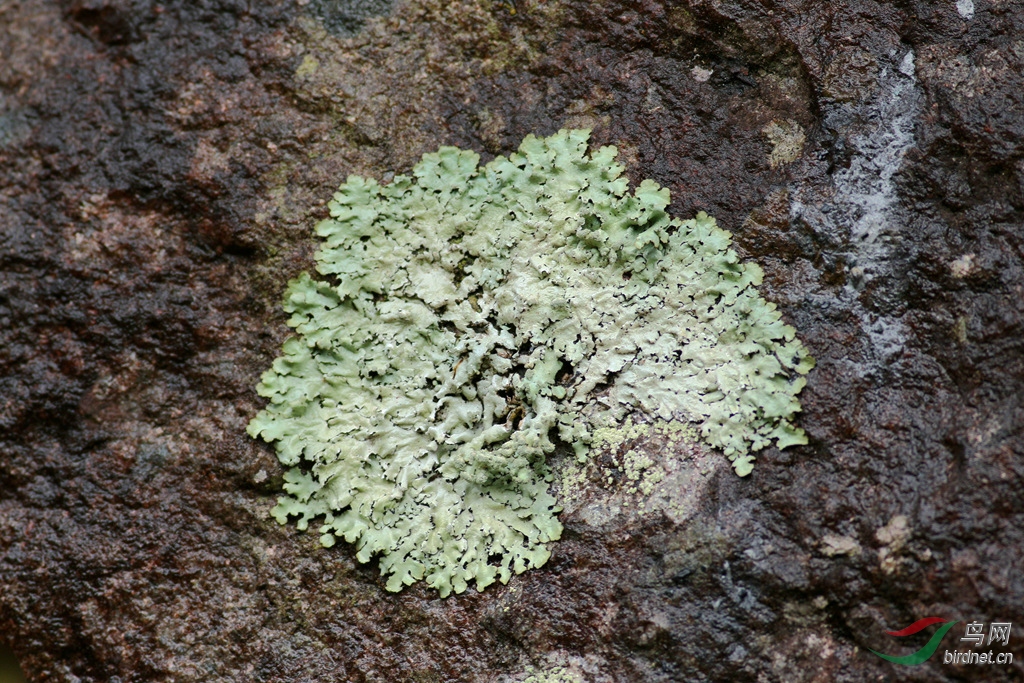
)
(917, 626)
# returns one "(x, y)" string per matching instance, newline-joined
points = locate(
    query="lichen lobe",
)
(470, 318)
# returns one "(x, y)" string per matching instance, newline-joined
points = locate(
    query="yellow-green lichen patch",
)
(624, 463)
(638, 469)
(556, 674)
(559, 666)
(787, 139)
(641, 472)
(467, 319)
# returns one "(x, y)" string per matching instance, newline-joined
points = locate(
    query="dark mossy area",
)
(162, 166)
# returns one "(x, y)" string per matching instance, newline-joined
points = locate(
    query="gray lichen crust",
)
(471, 317)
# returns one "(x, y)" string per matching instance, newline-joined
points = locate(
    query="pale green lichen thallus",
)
(467, 318)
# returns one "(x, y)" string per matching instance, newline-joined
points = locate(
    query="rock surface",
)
(163, 165)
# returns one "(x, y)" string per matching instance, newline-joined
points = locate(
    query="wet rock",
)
(163, 164)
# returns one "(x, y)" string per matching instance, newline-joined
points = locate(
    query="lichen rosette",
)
(467, 320)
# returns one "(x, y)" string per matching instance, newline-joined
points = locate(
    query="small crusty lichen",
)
(467, 319)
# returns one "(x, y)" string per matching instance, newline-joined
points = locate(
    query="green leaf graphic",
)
(922, 655)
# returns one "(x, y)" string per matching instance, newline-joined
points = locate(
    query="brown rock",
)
(162, 166)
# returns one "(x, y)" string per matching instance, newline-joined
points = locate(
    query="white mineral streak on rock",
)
(866, 200)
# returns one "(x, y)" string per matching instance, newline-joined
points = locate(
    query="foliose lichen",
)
(557, 674)
(467, 319)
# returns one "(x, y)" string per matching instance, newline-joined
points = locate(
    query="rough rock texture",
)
(163, 165)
